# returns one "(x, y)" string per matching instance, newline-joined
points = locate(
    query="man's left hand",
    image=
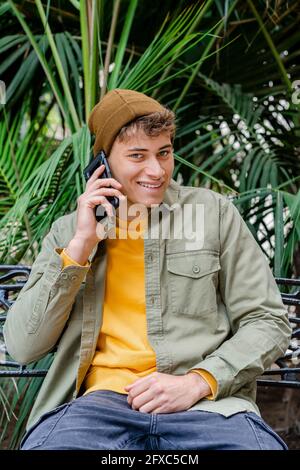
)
(166, 393)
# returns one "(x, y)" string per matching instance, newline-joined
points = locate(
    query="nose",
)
(154, 169)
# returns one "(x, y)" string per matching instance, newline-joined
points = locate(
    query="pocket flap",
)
(193, 265)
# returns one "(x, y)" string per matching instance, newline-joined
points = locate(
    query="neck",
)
(123, 211)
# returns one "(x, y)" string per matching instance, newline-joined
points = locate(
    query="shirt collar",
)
(171, 196)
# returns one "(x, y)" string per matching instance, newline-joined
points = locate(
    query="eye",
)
(136, 155)
(164, 153)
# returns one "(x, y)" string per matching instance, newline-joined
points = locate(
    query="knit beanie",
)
(117, 108)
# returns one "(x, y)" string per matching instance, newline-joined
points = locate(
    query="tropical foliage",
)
(228, 69)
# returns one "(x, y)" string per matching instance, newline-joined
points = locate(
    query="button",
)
(150, 257)
(196, 269)
(64, 276)
(152, 300)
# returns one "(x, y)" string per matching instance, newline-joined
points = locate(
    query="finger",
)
(135, 391)
(107, 192)
(96, 174)
(150, 407)
(106, 182)
(140, 399)
(148, 378)
(101, 200)
(94, 198)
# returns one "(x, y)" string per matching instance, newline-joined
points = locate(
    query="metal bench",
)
(284, 373)
(286, 367)
(12, 279)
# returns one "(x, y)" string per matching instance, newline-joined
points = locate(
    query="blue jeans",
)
(104, 420)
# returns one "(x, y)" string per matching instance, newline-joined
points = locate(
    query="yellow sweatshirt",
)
(123, 352)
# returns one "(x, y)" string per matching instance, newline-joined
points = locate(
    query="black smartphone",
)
(97, 161)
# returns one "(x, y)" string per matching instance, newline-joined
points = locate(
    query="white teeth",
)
(150, 185)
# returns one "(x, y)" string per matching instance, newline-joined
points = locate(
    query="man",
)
(160, 331)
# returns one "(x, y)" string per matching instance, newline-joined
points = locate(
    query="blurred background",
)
(230, 70)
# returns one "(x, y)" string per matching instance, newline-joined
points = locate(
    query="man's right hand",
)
(86, 236)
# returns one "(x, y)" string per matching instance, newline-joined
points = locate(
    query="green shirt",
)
(211, 305)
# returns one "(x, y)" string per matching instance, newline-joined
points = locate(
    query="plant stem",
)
(94, 54)
(59, 65)
(204, 8)
(206, 51)
(122, 43)
(272, 46)
(110, 45)
(85, 56)
(43, 62)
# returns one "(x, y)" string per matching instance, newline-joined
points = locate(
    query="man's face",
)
(144, 166)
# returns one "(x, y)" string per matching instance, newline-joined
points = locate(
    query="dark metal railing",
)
(287, 370)
(12, 279)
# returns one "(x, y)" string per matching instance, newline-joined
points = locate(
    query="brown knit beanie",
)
(117, 108)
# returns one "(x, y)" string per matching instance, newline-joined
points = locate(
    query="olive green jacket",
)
(212, 305)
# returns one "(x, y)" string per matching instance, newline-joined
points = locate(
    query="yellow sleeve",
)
(210, 380)
(68, 261)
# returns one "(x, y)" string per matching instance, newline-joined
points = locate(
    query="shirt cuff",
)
(210, 380)
(68, 261)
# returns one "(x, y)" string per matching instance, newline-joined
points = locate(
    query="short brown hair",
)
(152, 124)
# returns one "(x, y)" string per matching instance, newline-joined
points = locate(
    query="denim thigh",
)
(202, 430)
(101, 420)
(104, 420)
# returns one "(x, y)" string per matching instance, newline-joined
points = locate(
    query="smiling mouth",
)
(151, 187)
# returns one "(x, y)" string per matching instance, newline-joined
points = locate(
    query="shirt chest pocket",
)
(193, 282)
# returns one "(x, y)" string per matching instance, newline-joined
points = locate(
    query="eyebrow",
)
(145, 150)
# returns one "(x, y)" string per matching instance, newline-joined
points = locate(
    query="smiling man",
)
(157, 346)
(145, 167)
